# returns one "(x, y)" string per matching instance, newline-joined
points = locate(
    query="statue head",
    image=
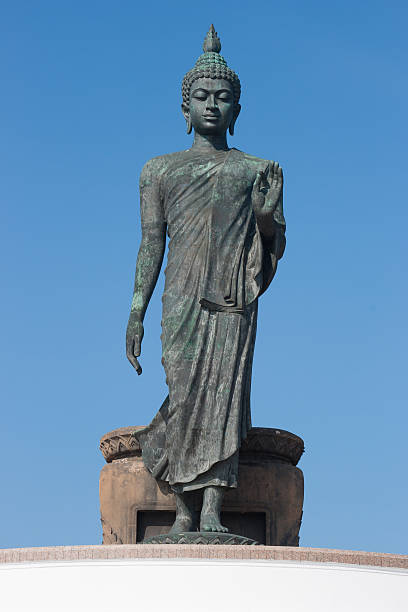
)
(211, 91)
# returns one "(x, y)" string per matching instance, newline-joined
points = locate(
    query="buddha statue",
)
(222, 212)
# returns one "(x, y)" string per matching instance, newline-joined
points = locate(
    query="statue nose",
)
(211, 102)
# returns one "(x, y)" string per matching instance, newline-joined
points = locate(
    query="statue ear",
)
(235, 117)
(186, 112)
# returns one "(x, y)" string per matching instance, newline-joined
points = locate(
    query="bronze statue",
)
(222, 211)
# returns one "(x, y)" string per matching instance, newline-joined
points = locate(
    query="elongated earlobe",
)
(232, 124)
(186, 113)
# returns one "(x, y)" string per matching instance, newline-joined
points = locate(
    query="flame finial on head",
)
(211, 41)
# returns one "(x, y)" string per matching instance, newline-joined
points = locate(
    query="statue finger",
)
(136, 347)
(276, 173)
(135, 363)
(257, 181)
(281, 177)
(138, 367)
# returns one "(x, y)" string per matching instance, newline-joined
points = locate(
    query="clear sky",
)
(90, 92)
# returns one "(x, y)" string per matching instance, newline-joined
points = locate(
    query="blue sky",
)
(90, 91)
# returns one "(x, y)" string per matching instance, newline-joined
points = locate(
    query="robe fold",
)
(217, 266)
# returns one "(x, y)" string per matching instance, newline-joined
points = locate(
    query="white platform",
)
(194, 585)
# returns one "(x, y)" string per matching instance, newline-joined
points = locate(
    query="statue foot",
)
(186, 519)
(210, 512)
(211, 522)
(182, 524)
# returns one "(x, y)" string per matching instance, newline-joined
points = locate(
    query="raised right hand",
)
(134, 337)
(267, 189)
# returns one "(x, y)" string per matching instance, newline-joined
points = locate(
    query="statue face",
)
(211, 106)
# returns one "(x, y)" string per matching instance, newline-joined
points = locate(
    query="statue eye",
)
(225, 96)
(200, 94)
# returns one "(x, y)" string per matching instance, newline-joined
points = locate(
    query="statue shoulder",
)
(155, 167)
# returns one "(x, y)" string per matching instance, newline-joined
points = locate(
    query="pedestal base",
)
(266, 507)
(201, 537)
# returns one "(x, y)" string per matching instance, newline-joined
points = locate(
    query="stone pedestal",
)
(205, 538)
(266, 507)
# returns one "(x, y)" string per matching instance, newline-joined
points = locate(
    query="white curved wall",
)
(199, 585)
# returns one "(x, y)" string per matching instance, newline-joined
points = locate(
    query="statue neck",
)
(210, 142)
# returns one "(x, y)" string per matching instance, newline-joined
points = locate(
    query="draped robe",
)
(217, 266)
